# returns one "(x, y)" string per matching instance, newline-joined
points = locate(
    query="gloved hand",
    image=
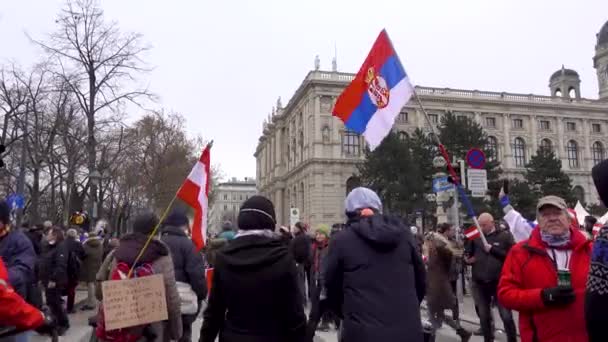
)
(559, 295)
(50, 323)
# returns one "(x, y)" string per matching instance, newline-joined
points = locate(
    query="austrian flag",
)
(195, 193)
(472, 233)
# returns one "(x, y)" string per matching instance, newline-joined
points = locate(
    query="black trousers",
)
(484, 294)
(55, 303)
(456, 309)
(187, 321)
(319, 311)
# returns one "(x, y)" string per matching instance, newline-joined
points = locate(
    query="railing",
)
(331, 76)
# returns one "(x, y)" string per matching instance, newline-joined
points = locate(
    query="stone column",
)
(560, 141)
(478, 118)
(507, 159)
(534, 123)
(586, 161)
(278, 203)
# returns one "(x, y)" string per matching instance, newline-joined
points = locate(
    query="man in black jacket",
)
(188, 264)
(301, 249)
(253, 296)
(374, 275)
(487, 261)
(54, 275)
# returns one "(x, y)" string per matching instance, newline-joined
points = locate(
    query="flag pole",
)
(155, 231)
(451, 170)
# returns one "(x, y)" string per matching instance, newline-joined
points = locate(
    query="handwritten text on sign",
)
(133, 302)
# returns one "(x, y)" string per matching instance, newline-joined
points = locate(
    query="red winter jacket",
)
(14, 311)
(529, 269)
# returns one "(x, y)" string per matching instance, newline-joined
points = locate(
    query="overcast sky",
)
(222, 64)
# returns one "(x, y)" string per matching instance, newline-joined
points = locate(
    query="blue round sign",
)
(476, 159)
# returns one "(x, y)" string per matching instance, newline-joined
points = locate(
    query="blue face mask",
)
(555, 240)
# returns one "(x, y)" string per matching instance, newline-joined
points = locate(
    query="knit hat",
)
(362, 198)
(257, 213)
(5, 213)
(323, 229)
(600, 178)
(177, 218)
(145, 222)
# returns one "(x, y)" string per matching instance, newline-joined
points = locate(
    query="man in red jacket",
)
(544, 277)
(15, 312)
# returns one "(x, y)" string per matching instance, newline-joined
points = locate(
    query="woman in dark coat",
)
(187, 263)
(93, 250)
(439, 294)
(254, 284)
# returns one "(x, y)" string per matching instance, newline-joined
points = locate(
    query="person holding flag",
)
(487, 260)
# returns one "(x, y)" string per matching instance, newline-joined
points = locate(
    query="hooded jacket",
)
(157, 254)
(187, 262)
(375, 275)
(53, 264)
(254, 294)
(19, 257)
(93, 257)
(527, 271)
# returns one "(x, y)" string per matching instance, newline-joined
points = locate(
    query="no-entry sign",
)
(476, 159)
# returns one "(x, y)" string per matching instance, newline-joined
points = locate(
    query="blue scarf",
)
(555, 240)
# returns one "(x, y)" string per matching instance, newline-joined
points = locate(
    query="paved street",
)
(80, 330)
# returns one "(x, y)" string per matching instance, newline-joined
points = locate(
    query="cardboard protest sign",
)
(132, 302)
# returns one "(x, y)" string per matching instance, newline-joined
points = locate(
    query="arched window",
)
(546, 145)
(558, 92)
(519, 152)
(572, 151)
(597, 152)
(492, 148)
(351, 144)
(403, 135)
(579, 193)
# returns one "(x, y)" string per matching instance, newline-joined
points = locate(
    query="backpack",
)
(74, 264)
(130, 334)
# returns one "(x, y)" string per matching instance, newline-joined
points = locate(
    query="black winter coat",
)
(375, 275)
(301, 249)
(254, 294)
(53, 264)
(76, 255)
(487, 266)
(188, 263)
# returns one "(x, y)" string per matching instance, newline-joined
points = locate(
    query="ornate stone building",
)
(228, 199)
(307, 159)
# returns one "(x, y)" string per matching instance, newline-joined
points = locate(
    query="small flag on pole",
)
(195, 192)
(372, 101)
(472, 233)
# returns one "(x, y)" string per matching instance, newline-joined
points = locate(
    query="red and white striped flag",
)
(195, 192)
(472, 233)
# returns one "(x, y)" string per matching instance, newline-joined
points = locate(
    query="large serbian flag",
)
(195, 192)
(370, 104)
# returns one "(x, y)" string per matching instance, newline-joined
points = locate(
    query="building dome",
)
(602, 37)
(565, 72)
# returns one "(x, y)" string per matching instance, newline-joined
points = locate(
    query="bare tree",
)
(98, 62)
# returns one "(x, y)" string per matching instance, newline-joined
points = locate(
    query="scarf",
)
(555, 240)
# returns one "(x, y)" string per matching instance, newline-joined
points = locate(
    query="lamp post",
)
(95, 178)
(442, 196)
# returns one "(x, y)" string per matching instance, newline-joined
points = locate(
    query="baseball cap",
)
(552, 201)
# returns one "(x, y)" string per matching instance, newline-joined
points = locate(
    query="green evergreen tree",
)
(459, 134)
(545, 177)
(391, 171)
(522, 198)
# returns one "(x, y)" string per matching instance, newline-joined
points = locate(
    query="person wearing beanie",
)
(255, 278)
(188, 265)
(319, 311)
(228, 232)
(157, 255)
(596, 296)
(374, 249)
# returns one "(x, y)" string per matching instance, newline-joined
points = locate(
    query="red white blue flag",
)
(370, 104)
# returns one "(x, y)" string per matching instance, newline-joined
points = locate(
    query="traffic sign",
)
(16, 201)
(476, 159)
(441, 184)
(477, 182)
